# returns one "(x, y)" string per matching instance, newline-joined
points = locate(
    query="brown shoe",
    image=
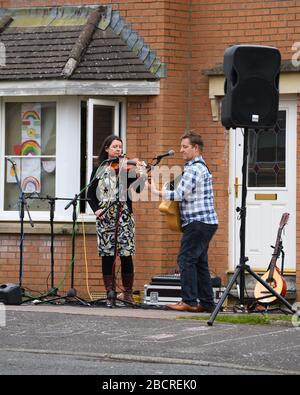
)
(203, 309)
(181, 306)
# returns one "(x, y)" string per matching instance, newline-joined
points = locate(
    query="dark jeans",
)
(193, 264)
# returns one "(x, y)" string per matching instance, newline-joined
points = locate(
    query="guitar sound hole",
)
(272, 283)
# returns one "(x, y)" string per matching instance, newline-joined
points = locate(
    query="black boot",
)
(110, 292)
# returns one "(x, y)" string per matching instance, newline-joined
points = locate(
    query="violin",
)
(129, 164)
(124, 163)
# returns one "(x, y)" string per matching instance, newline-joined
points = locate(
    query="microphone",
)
(169, 153)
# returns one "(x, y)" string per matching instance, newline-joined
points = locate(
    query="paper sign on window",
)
(10, 172)
(31, 146)
(31, 129)
(31, 175)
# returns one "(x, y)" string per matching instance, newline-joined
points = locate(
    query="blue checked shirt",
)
(195, 194)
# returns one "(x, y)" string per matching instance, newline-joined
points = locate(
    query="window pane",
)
(30, 139)
(266, 161)
(103, 127)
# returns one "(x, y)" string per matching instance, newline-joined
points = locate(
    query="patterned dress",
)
(116, 230)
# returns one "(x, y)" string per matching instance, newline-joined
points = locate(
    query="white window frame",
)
(68, 151)
(64, 142)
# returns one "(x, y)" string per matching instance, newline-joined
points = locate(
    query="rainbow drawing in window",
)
(31, 122)
(31, 175)
(30, 147)
(31, 184)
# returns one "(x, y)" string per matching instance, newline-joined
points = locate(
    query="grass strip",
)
(245, 318)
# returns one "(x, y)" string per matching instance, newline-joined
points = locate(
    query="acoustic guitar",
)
(171, 208)
(273, 276)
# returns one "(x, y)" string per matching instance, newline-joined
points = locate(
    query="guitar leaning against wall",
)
(273, 276)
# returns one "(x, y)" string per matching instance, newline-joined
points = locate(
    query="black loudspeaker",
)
(10, 294)
(251, 86)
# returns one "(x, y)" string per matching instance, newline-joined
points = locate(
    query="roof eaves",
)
(47, 16)
(286, 66)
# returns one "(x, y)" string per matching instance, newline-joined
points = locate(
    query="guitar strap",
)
(204, 164)
(171, 186)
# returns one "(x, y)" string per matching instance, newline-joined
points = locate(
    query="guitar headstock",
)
(284, 220)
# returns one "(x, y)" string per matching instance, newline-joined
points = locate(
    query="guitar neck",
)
(275, 254)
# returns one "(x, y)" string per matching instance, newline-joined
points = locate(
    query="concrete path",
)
(64, 339)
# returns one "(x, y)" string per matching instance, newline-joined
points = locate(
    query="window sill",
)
(60, 228)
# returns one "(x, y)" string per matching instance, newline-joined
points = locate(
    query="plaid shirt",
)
(195, 194)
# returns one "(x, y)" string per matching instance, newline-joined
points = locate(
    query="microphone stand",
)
(22, 205)
(51, 201)
(53, 290)
(72, 293)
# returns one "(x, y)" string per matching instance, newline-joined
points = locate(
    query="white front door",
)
(271, 190)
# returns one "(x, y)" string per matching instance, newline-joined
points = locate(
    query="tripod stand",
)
(22, 205)
(72, 293)
(52, 291)
(242, 266)
(51, 200)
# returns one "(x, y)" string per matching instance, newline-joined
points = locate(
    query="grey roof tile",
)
(115, 19)
(132, 39)
(144, 52)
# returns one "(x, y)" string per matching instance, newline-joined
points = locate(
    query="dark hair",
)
(194, 138)
(106, 144)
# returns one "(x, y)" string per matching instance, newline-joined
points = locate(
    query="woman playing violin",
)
(110, 199)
